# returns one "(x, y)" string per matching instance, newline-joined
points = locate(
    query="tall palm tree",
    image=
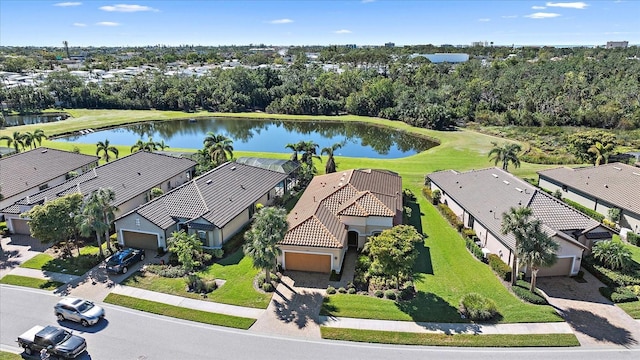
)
(91, 219)
(537, 250)
(211, 138)
(601, 152)
(507, 153)
(17, 140)
(38, 135)
(104, 198)
(221, 151)
(330, 167)
(28, 140)
(309, 149)
(161, 145)
(295, 148)
(142, 145)
(268, 229)
(105, 148)
(516, 222)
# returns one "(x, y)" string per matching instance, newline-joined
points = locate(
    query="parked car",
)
(82, 311)
(121, 261)
(58, 342)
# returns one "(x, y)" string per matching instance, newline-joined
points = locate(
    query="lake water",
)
(358, 139)
(16, 120)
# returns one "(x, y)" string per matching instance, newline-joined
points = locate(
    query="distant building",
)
(389, 44)
(480, 43)
(444, 57)
(617, 44)
(350, 46)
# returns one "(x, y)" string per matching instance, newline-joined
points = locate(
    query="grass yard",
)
(9, 356)
(30, 282)
(180, 312)
(76, 265)
(403, 338)
(37, 262)
(238, 290)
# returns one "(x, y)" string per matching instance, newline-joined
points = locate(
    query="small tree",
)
(186, 247)
(537, 250)
(268, 229)
(394, 252)
(614, 214)
(156, 192)
(436, 195)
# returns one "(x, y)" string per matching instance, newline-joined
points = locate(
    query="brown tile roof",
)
(315, 220)
(128, 176)
(26, 170)
(217, 196)
(614, 183)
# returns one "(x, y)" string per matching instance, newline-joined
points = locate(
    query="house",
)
(600, 188)
(32, 171)
(288, 167)
(215, 206)
(131, 177)
(480, 197)
(336, 212)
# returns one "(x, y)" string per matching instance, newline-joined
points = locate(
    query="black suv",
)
(120, 262)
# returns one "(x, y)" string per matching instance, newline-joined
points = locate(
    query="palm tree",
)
(308, 149)
(516, 221)
(221, 151)
(91, 219)
(17, 140)
(295, 148)
(145, 145)
(104, 198)
(211, 138)
(105, 148)
(38, 135)
(330, 167)
(161, 145)
(537, 250)
(28, 140)
(601, 152)
(507, 153)
(268, 229)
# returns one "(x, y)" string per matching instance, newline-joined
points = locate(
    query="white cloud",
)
(541, 15)
(568, 5)
(484, 20)
(281, 21)
(67, 4)
(79, 24)
(127, 8)
(538, 7)
(509, 16)
(342, 31)
(108, 23)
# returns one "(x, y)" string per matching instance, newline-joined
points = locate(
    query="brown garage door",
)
(140, 240)
(561, 268)
(20, 226)
(308, 262)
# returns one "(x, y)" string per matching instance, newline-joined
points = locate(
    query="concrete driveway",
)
(16, 250)
(596, 321)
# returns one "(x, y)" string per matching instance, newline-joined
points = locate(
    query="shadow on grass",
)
(432, 307)
(415, 219)
(76, 265)
(232, 259)
(423, 264)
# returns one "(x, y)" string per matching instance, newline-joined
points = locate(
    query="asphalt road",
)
(131, 335)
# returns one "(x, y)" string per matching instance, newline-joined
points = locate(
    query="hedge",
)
(592, 213)
(633, 238)
(426, 191)
(451, 216)
(474, 248)
(500, 267)
(521, 289)
(609, 277)
(619, 294)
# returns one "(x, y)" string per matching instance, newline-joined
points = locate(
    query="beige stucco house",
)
(338, 211)
(480, 197)
(215, 206)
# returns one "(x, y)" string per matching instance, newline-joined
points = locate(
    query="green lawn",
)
(75, 265)
(238, 290)
(37, 262)
(9, 356)
(30, 282)
(403, 338)
(180, 312)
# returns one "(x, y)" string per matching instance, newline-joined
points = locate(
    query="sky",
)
(307, 22)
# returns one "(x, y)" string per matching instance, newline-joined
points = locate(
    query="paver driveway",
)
(596, 321)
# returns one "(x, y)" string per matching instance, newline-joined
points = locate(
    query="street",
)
(134, 335)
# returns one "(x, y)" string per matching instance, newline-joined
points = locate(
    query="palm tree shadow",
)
(597, 327)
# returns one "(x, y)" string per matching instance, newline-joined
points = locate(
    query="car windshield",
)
(85, 306)
(114, 260)
(60, 336)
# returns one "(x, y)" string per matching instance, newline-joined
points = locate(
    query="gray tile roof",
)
(279, 165)
(128, 176)
(615, 183)
(487, 194)
(217, 196)
(26, 170)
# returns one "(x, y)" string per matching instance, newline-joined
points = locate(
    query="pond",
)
(16, 120)
(357, 139)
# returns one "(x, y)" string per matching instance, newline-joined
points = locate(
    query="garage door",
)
(308, 262)
(561, 268)
(20, 226)
(140, 240)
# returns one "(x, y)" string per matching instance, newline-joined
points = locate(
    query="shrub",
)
(619, 294)
(500, 267)
(635, 289)
(408, 195)
(477, 307)
(592, 213)
(167, 271)
(262, 277)
(407, 293)
(436, 195)
(194, 283)
(351, 291)
(614, 214)
(612, 254)
(450, 216)
(469, 233)
(267, 287)
(4, 229)
(612, 278)
(474, 249)
(342, 290)
(378, 293)
(609, 223)
(331, 290)
(363, 264)
(633, 238)
(426, 191)
(350, 285)
(521, 289)
(216, 253)
(390, 294)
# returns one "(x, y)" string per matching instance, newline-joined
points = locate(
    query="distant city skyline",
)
(329, 22)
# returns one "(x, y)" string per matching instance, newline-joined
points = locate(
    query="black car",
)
(121, 261)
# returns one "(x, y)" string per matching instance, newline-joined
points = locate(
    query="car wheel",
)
(124, 270)
(84, 323)
(60, 317)
(27, 350)
(141, 257)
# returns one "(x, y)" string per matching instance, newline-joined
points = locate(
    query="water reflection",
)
(358, 139)
(16, 120)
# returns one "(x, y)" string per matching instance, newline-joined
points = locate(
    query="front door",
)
(352, 239)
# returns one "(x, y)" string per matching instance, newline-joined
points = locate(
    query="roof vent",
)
(520, 190)
(617, 168)
(139, 173)
(209, 181)
(607, 186)
(339, 184)
(505, 181)
(44, 151)
(233, 168)
(495, 175)
(635, 173)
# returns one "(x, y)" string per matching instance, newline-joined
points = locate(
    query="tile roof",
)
(279, 165)
(315, 220)
(128, 176)
(487, 194)
(26, 170)
(615, 183)
(217, 196)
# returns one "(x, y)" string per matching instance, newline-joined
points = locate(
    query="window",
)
(42, 187)
(470, 222)
(202, 235)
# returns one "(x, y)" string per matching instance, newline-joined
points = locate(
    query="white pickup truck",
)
(58, 342)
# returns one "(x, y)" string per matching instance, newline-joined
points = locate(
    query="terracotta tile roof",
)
(128, 176)
(217, 196)
(615, 183)
(26, 170)
(352, 192)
